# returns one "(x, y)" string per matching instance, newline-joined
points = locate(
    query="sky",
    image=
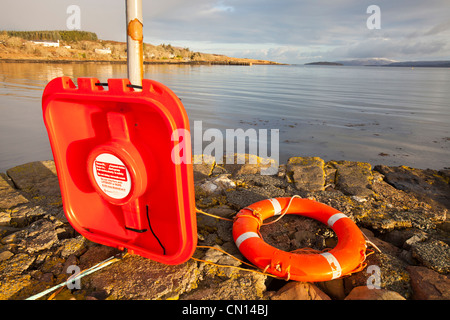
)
(288, 31)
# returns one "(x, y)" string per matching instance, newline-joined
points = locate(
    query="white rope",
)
(285, 210)
(370, 242)
(74, 277)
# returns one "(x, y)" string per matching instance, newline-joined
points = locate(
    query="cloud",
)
(392, 49)
(285, 29)
(99, 16)
(283, 22)
(299, 30)
(283, 54)
(438, 29)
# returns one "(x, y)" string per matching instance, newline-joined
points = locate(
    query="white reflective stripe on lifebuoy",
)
(334, 264)
(334, 218)
(276, 206)
(245, 236)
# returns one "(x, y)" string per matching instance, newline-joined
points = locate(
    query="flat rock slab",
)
(428, 284)
(366, 293)
(138, 278)
(300, 291)
(433, 254)
(307, 173)
(37, 178)
(353, 178)
(9, 196)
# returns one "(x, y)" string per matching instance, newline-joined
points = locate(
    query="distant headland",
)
(82, 46)
(375, 62)
(325, 63)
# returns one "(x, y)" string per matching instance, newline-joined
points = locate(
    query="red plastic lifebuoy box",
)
(113, 154)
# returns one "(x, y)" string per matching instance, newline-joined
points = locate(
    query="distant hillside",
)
(356, 62)
(325, 63)
(367, 62)
(78, 46)
(386, 63)
(429, 64)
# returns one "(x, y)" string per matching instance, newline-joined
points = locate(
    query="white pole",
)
(135, 38)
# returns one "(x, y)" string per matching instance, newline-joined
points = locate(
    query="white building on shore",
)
(103, 51)
(47, 43)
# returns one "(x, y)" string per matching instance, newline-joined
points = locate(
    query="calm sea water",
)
(393, 116)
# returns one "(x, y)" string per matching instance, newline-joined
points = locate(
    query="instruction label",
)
(112, 176)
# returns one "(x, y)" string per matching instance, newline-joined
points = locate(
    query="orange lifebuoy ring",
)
(348, 256)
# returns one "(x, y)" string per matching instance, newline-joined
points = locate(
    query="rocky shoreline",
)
(234, 62)
(403, 211)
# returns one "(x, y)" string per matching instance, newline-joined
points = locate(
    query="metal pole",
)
(135, 39)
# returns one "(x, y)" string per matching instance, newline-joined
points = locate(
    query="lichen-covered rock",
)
(243, 197)
(41, 236)
(242, 286)
(203, 166)
(138, 278)
(9, 197)
(10, 287)
(353, 178)
(241, 164)
(24, 215)
(391, 209)
(16, 265)
(433, 254)
(38, 178)
(73, 246)
(427, 185)
(307, 173)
